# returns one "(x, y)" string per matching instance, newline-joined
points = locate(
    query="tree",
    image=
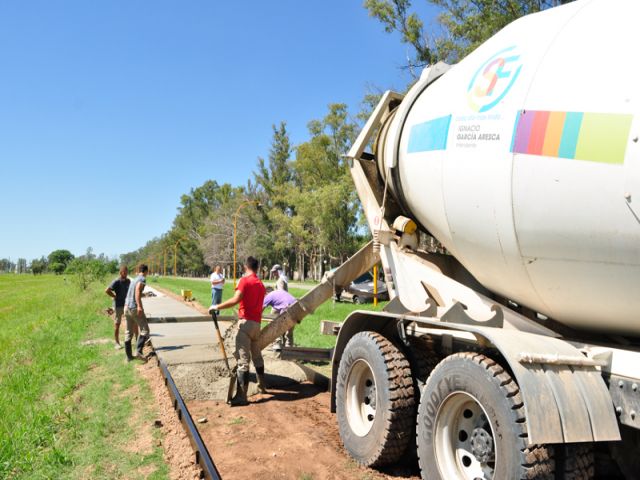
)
(6, 265)
(309, 207)
(188, 231)
(464, 24)
(277, 172)
(21, 265)
(87, 269)
(469, 23)
(395, 16)
(189, 224)
(218, 244)
(318, 223)
(38, 266)
(273, 182)
(58, 260)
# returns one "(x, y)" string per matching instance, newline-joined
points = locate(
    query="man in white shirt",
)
(283, 282)
(217, 285)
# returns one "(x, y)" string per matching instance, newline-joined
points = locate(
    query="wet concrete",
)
(210, 380)
(187, 342)
(161, 308)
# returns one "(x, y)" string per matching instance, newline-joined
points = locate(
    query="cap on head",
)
(276, 267)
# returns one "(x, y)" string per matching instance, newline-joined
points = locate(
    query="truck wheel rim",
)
(464, 439)
(361, 398)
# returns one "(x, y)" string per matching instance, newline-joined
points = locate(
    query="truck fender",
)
(565, 397)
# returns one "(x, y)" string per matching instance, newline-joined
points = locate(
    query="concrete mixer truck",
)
(503, 196)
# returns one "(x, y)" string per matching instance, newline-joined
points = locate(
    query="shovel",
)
(232, 372)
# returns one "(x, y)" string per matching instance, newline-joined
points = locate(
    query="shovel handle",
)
(220, 340)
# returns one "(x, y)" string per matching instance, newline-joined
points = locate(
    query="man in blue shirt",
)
(134, 313)
(118, 291)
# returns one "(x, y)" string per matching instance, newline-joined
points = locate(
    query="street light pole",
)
(235, 239)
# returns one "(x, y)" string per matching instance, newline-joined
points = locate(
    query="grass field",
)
(67, 410)
(307, 334)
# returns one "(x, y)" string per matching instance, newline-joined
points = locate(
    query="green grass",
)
(238, 421)
(201, 289)
(307, 334)
(67, 410)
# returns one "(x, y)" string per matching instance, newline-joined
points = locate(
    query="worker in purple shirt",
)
(279, 301)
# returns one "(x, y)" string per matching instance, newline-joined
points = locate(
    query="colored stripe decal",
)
(429, 136)
(553, 135)
(603, 137)
(594, 137)
(523, 130)
(515, 130)
(538, 129)
(570, 133)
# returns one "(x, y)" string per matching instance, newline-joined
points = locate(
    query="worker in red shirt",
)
(250, 295)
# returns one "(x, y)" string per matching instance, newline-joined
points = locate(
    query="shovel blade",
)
(233, 381)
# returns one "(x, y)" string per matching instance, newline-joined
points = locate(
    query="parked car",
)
(361, 289)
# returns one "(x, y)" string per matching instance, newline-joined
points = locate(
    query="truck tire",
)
(575, 461)
(625, 453)
(375, 404)
(471, 424)
(423, 359)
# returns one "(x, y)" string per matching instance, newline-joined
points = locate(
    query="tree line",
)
(84, 268)
(299, 209)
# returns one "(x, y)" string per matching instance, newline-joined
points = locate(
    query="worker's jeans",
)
(247, 345)
(216, 296)
(285, 340)
(132, 319)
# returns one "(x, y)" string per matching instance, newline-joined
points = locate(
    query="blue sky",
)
(111, 109)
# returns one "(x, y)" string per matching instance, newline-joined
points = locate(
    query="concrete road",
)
(186, 341)
(161, 308)
(179, 333)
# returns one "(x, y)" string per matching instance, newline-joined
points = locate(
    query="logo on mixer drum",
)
(493, 80)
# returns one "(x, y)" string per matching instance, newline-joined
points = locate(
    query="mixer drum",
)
(524, 161)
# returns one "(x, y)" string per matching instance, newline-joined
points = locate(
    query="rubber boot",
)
(127, 350)
(240, 398)
(262, 384)
(140, 345)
